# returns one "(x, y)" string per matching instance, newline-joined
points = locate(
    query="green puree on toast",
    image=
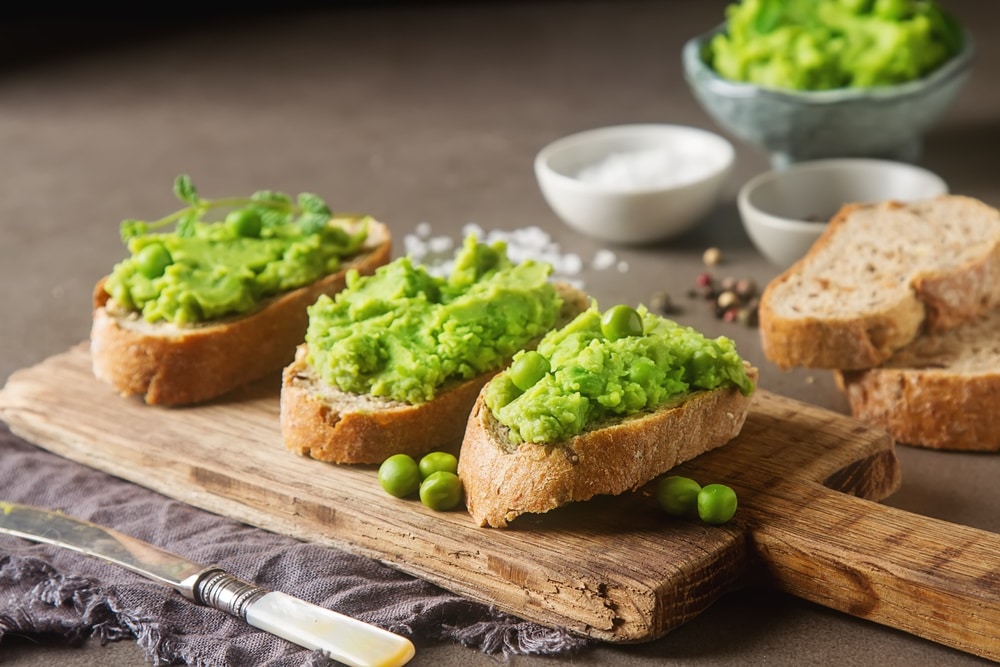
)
(403, 333)
(590, 375)
(200, 271)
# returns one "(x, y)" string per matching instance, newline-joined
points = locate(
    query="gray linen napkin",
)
(48, 592)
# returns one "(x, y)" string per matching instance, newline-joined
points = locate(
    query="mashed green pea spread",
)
(205, 270)
(593, 378)
(828, 44)
(402, 333)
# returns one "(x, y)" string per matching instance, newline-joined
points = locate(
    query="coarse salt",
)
(646, 168)
(436, 254)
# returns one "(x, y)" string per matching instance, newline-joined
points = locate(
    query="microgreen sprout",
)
(308, 211)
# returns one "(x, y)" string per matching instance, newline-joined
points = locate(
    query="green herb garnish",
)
(309, 212)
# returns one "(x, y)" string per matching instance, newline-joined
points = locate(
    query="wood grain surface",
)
(615, 569)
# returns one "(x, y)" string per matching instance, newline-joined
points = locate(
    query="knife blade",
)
(339, 637)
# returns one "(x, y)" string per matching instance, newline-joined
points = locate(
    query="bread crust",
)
(330, 425)
(171, 365)
(936, 299)
(940, 392)
(503, 482)
(927, 408)
(338, 427)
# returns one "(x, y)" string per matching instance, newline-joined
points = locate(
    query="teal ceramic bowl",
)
(885, 122)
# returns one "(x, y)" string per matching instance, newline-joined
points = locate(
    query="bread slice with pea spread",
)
(879, 276)
(364, 419)
(516, 468)
(177, 363)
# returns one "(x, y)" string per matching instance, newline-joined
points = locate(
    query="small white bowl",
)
(634, 183)
(784, 211)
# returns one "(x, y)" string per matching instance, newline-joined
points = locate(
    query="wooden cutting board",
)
(615, 569)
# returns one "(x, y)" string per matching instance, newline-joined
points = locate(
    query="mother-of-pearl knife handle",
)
(339, 637)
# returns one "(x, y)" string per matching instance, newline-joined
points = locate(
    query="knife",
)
(339, 637)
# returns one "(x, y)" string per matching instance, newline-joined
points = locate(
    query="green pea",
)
(441, 491)
(245, 222)
(621, 321)
(678, 496)
(153, 260)
(399, 475)
(435, 461)
(528, 369)
(716, 503)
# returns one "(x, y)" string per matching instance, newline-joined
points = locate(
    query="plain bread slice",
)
(879, 275)
(942, 391)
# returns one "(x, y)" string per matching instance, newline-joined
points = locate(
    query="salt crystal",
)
(441, 244)
(472, 228)
(414, 247)
(603, 259)
(436, 254)
(572, 264)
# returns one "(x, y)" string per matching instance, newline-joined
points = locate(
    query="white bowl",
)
(634, 183)
(785, 210)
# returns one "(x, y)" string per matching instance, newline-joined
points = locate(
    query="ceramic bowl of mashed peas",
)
(805, 80)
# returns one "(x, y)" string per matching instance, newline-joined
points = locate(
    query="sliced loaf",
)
(878, 276)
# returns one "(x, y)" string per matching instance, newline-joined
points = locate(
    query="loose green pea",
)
(153, 260)
(528, 369)
(245, 222)
(716, 503)
(435, 461)
(441, 491)
(678, 496)
(621, 321)
(399, 475)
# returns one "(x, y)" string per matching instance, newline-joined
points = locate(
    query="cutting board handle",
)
(931, 578)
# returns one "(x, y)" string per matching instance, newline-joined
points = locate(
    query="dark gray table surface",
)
(426, 113)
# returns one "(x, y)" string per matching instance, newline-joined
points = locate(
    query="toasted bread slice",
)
(878, 276)
(167, 364)
(503, 481)
(325, 423)
(940, 392)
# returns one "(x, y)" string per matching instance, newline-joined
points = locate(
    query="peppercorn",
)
(711, 256)
(661, 303)
(727, 300)
(745, 287)
(747, 316)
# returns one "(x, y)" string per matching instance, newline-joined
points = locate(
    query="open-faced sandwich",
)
(209, 306)
(600, 407)
(394, 362)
